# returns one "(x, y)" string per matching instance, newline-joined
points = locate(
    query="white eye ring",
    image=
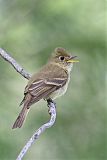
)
(61, 58)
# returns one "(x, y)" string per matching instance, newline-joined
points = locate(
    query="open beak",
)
(72, 60)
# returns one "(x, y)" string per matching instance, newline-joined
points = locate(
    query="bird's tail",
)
(21, 118)
(23, 114)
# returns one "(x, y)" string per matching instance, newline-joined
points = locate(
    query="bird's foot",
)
(49, 101)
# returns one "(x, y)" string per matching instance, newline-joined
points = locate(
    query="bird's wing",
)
(42, 84)
(43, 88)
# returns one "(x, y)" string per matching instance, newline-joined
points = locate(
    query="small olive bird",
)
(49, 83)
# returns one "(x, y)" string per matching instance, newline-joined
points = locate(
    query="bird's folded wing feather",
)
(45, 86)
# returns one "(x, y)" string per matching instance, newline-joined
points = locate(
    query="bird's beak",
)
(72, 60)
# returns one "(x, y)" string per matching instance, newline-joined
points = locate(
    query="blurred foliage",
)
(30, 30)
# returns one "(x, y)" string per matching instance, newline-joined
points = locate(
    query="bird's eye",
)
(61, 58)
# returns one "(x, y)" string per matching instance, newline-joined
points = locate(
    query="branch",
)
(52, 111)
(51, 104)
(12, 61)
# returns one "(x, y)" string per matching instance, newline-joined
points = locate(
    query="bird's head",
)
(63, 58)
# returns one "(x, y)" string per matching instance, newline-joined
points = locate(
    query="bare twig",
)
(51, 105)
(52, 110)
(16, 66)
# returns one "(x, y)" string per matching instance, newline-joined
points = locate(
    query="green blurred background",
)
(30, 30)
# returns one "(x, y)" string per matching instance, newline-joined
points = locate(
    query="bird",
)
(49, 83)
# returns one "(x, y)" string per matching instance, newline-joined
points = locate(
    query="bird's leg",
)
(49, 101)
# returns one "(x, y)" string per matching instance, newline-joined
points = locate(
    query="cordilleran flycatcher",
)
(49, 83)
